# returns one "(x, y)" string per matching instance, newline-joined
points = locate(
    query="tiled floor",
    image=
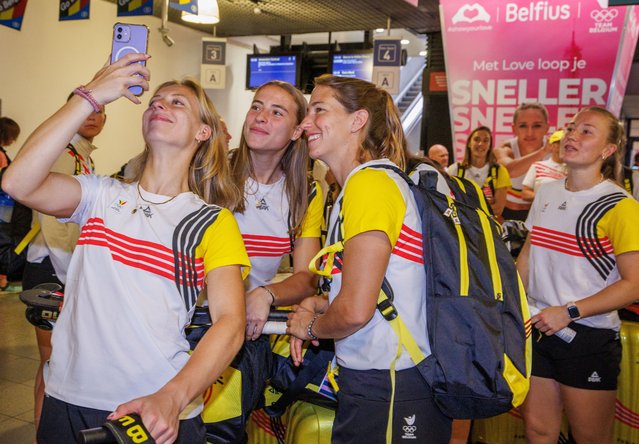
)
(18, 364)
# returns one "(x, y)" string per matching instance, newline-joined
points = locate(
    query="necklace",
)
(601, 179)
(148, 201)
(261, 203)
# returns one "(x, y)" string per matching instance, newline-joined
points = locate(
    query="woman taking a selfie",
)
(146, 249)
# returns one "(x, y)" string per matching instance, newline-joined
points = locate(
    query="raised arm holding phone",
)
(146, 249)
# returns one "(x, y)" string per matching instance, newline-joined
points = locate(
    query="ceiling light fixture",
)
(208, 13)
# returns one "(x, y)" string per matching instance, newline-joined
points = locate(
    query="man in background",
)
(438, 153)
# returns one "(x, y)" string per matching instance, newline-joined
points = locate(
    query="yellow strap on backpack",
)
(405, 340)
(330, 259)
(35, 229)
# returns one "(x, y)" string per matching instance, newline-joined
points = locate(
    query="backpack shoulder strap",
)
(78, 160)
(494, 172)
(628, 184)
(461, 170)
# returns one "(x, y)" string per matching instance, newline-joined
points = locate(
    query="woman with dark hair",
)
(579, 265)
(9, 132)
(354, 128)
(146, 250)
(480, 166)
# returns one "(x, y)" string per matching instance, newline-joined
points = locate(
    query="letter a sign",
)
(386, 63)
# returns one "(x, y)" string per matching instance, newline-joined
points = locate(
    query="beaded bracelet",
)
(85, 93)
(309, 329)
(269, 291)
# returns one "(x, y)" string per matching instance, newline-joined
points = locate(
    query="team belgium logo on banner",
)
(135, 7)
(11, 13)
(74, 9)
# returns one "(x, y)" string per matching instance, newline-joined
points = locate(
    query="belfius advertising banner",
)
(565, 54)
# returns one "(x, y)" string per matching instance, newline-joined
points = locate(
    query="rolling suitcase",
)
(309, 424)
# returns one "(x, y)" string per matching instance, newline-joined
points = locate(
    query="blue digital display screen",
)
(353, 65)
(265, 67)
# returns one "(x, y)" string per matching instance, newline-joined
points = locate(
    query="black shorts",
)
(363, 403)
(60, 423)
(591, 361)
(39, 273)
(508, 214)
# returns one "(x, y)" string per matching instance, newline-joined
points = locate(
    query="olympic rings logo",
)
(603, 15)
(409, 429)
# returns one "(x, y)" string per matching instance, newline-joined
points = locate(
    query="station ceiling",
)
(283, 17)
(287, 17)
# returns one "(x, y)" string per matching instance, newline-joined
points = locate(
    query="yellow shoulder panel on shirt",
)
(373, 202)
(222, 245)
(620, 225)
(503, 178)
(312, 223)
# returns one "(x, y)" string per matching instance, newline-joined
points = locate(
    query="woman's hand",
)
(113, 81)
(315, 304)
(258, 306)
(297, 327)
(550, 320)
(159, 413)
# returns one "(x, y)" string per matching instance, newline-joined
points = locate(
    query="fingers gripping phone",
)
(129, 38)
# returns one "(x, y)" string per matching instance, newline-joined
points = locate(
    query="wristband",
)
(269, 291)
(309, 329)
(85, 93)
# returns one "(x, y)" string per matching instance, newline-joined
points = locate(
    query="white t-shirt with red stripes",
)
(542, 172)
(131, 289)
(380, 200)
(575, 238)
(265, 228)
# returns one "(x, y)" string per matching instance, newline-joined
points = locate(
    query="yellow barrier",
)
(509, 427)
(627, 407)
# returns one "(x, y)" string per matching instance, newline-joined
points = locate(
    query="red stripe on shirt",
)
(566, 243)
(137, 253)
(409, 245)
(266, 246)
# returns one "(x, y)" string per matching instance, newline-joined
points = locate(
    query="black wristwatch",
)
(573, 311)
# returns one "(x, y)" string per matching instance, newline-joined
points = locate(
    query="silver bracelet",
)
(269, 291)
(309, 329)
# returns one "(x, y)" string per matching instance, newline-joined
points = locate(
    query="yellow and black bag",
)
(238, 391)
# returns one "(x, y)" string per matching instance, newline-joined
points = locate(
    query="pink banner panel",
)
(503, 53)
(624, 61)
